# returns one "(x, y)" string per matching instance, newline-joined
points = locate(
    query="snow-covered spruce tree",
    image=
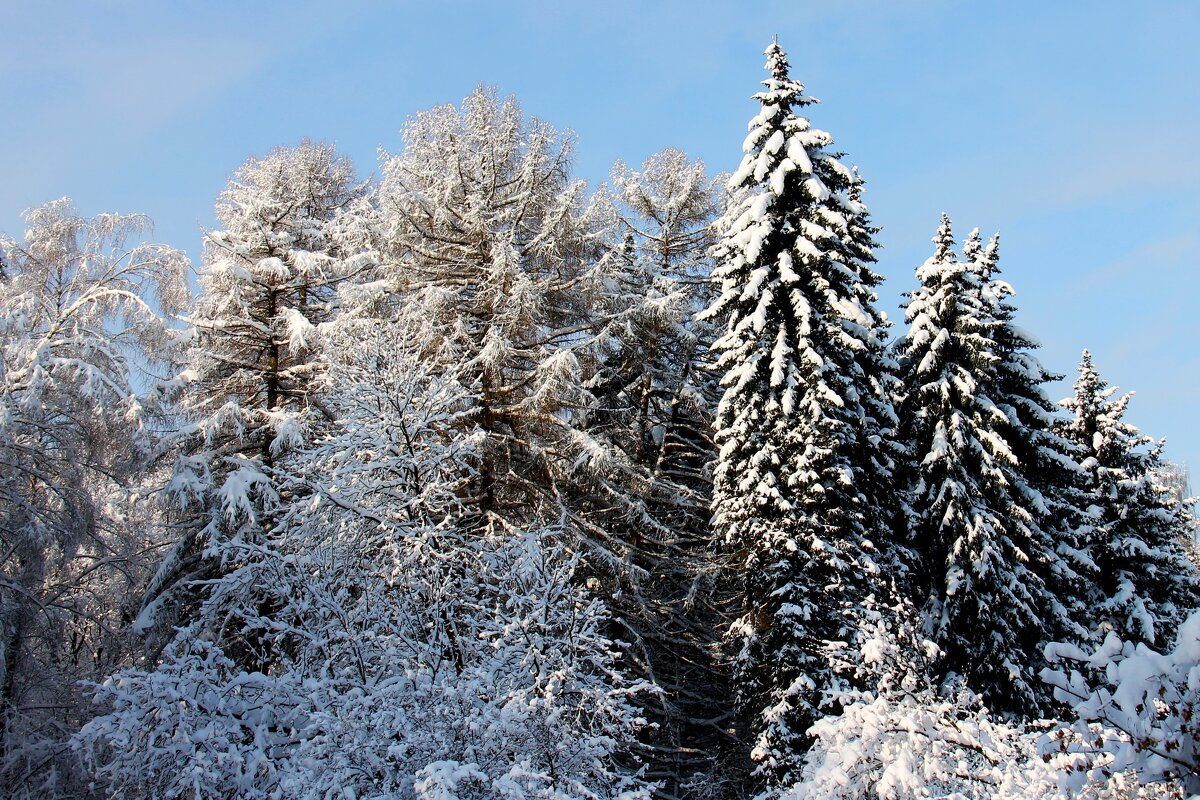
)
(655, 402)
(268, 279)
(412, 657)
(1143, 582)
(81, 323)
(802, 478)
(1048, 461)
(977, 525)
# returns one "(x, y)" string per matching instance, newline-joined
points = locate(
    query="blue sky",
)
(1072, 128)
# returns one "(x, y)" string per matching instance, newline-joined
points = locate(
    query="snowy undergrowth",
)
(436, 684)
(910, 739)
(369, 644)
(1136, 709)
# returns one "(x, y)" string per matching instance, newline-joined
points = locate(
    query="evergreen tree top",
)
(1090, 388)
(782, 92)
(944, 242)
(973, 246)
(777, 61)
(1088, 374)
(983, 260)
(991, 255)
(1098, 424)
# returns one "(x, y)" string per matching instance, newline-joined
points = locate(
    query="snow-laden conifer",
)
(658, 272)
(803, 428)
(1048, 461)
(483, 231)
(269, 279)
(1142, 582)
(655, 402)
(979, 524)
(574, 348)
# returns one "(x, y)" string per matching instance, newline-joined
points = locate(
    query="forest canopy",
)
(472, 480)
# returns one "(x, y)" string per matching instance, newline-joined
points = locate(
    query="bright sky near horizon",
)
(1072, 128)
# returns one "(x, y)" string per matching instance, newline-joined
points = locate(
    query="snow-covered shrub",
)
(918, 744)
(907, 738)
(369, 646)
(470, 671)
(1136, 708)
(910, 739)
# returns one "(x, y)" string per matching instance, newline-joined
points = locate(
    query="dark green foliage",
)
(1142, 582)
(804, 427)
(984, 468)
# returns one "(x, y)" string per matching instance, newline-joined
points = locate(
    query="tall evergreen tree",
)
(1143, 584)
(655, 401)
(1048, 461)
(269, 278)
(978, 523)
(803, 428)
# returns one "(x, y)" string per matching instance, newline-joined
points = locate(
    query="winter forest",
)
(473, 481)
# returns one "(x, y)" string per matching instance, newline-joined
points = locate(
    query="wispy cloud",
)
(104, 98)
(1156, 257)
